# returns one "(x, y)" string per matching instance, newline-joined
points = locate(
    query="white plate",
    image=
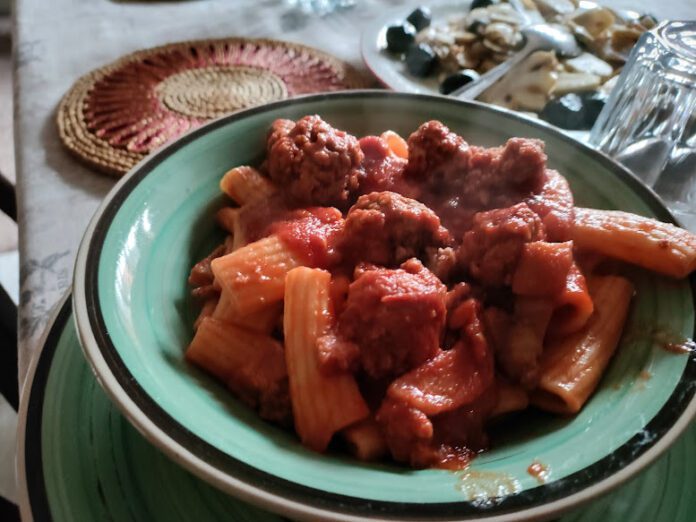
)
(386, 66)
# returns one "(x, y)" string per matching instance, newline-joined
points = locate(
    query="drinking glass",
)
(649, 121)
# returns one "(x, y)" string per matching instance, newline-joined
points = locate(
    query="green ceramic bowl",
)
(134, 320)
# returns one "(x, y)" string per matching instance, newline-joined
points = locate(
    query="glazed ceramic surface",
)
(135, 318)
(69, 428)
(387, 67)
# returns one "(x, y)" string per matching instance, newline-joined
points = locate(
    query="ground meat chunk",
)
(386, 228)
(501, 176)
(271, 401)
(491, 249)
(435, 154)
(381, 168)
(442, 262)
(395, 317)
(201, 277)
(458, 180)
(279, 129)
(408, 433)
(313, 162)
(523, 164)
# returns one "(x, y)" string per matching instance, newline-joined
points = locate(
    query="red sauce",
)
(486, 488)
(683, 346)
(258, 216)
(454, 213)
(432, 404)
(311, 233)
(454, 458)
(668, 341)
(382, 169)
(539, 471)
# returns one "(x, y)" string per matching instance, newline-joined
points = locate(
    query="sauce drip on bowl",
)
(539, 471)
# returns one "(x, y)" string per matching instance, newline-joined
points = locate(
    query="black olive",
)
(593, 103)
(400, 37)
(420, 59)
(476, 27)
(648, 21)
(566, 112)
(481, 3)
(457, 80)
(420, 18)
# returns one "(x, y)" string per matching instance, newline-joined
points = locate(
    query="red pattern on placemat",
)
(143, 100)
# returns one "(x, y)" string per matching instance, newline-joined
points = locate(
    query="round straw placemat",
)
(115, 115)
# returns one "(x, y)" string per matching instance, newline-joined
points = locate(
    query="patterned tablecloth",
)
(60, 40)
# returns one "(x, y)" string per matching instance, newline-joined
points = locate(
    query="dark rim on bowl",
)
(33, 456)
(347, 505)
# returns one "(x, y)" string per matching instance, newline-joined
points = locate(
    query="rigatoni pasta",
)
(263, 320)
(321, 405)
(365, 440)
(254, 276)
(391, 297)
(571, 368)
(572, 306)
(654, 245)
(245, 184)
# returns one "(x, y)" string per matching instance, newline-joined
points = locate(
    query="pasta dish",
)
(391, 297)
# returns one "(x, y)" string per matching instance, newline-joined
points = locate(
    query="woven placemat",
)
(115, 115)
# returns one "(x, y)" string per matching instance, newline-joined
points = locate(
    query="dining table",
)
(57, 42)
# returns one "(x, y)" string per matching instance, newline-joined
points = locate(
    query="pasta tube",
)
(254, 276)
(635, 239)
(542, 268)
(572, 367)
(573, 306)
(263, 320)
(245, 184)
(242, 359)
(520, 358)
(321, 405)
(365, 440)
(511, 397)
(206, 311)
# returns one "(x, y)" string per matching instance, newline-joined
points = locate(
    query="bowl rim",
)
(267, 490)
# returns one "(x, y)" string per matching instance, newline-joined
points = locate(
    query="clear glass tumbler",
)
(649, 121)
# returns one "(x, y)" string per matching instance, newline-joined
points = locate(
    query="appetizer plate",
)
(134, 319)
(390, 71)
(69, 427)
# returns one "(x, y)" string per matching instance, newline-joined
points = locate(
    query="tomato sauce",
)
(427, 362)
(539, 471)
(382, 169)
(311, 233)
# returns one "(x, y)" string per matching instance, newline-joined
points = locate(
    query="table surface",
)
(58, 41)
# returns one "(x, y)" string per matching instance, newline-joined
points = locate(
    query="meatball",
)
(491, 249)
(442, 262)
(523, 164)
(395, 317)
(408, 433)
(382, 169)
(502, 176)
(386, 228)
(435, 154)
(315, 163)
(279, 129)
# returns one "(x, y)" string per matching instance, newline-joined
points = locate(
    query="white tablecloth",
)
(59, 40)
